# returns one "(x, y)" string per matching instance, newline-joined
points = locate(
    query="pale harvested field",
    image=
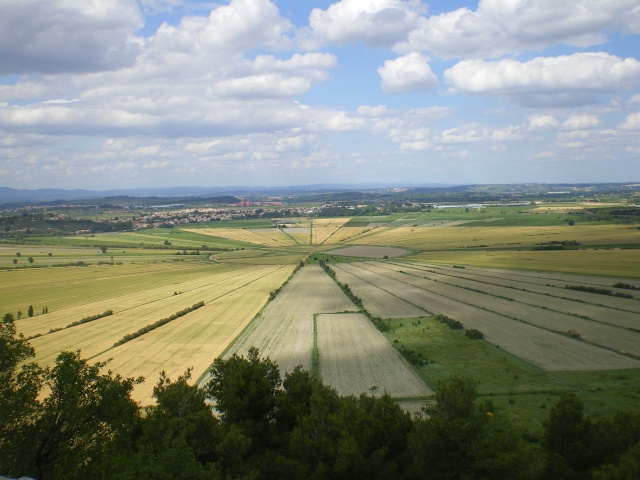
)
(547, 350)
(98, 336)
(609, 336)
(269, 259)
(284, 329)
(422, 236)
(192, 341)
(368, 251)
(325, 228)
(354, 356)
(243, 235)
(538, 277)
(551, 303)
(378, 302)
(345, 234)
(276, 234)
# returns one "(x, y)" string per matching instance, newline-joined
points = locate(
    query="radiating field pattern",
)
(488, 277)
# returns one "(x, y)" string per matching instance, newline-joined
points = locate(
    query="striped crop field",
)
(267, 238)
(284, 329)
(378, 301)
(197, 339)
(356, 358)
(323, 229)
(138, 296)
(511, 324)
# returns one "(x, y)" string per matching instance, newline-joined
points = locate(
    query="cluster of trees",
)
(73, 421)
(25, 224)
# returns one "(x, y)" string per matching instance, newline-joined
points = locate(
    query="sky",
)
(104, 94)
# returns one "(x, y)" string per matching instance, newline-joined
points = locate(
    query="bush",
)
(449, 322)
(474, 334)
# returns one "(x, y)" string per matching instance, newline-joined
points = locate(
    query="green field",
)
(519, 391)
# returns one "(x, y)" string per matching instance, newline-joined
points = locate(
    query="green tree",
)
(30, 259)
(103, 249)
(20, 382)
(445, 443)
(567, 439)
(244, 390)
(30, 311)
(85, 416)
(179, 434)
(628, 466)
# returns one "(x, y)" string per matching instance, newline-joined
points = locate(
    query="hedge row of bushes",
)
(599, 291)
(159, 323)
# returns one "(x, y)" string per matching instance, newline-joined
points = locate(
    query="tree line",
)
(74, 421)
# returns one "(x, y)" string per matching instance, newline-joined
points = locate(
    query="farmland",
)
(502, 271)
(370, 363)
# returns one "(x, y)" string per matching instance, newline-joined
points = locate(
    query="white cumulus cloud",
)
(581, 75)
(380, 23)
(408, 73)
(500, 27)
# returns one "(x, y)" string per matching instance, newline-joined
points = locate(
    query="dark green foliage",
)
(626, 286)
(449, 322)
(474, 334)
(30, 311)
(600, 291)
(444, 443)
(413, 357)
(85, 425)
(244, 390)
(91, 318)
(20, 383)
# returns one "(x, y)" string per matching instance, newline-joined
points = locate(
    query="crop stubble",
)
(354, 357)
